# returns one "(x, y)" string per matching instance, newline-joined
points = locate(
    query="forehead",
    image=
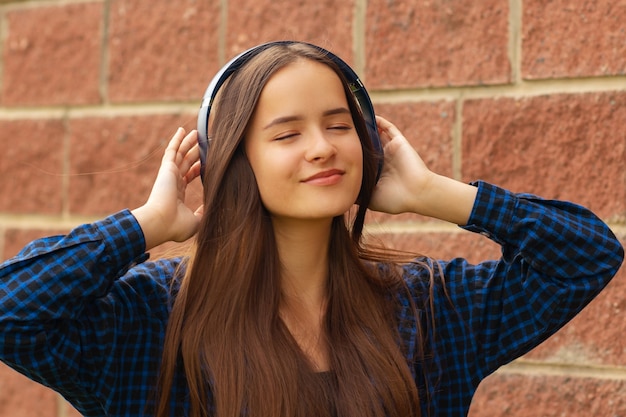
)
(304, 81)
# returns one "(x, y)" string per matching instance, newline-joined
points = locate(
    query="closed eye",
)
(340, 127)
(286, 136)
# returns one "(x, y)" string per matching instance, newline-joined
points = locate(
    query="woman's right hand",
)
(165, 217)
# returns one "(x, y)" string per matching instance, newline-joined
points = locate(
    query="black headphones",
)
(356, 86)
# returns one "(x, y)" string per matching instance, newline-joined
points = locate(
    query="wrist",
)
(445, 199)
(151, 225)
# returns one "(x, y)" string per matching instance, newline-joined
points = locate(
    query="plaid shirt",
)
(86, 313)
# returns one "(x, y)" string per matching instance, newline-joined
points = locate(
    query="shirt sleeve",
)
(556, 257)
(73, 308)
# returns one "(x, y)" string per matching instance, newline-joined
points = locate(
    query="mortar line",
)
(522, 90)
(94, 111)
(36, 4)
(531, 367)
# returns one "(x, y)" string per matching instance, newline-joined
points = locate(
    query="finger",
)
(387, 128)
(382, 123)
(193, 172)
(190, 158)
(383, 130)
(188, 142)
(174, 144)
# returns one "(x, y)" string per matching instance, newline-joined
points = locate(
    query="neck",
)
(303, 251)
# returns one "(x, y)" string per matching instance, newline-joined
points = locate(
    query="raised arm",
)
(82, 312)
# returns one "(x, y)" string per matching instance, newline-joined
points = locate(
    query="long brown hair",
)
(225, 331)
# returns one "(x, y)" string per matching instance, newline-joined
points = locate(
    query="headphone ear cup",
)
(203, 138)
(372, 130)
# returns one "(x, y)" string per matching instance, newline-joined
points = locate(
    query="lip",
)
(327, 177)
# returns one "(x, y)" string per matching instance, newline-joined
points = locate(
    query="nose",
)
(319, 147)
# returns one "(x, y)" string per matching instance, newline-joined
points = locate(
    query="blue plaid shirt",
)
(86, 313)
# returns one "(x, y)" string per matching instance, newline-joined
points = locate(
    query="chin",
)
(318, 207)
(328, 212)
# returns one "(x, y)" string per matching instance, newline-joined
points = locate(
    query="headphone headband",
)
(356, 86)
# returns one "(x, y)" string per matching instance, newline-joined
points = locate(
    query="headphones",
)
(356, 86)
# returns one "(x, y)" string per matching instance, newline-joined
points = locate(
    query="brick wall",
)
(528, 94)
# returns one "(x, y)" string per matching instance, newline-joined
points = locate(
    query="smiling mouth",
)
(331, 176)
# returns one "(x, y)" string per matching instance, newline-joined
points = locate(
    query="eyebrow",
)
(287, 119)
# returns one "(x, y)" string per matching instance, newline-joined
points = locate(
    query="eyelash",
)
(286, 136)
(340, 127)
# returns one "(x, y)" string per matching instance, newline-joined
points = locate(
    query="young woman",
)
(281, 309)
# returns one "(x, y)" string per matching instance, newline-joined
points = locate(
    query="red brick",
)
(114, 161)
(326, 23)
(21, 397)
(31, 166)
(52, 55)
(564, 146)
(161, 49)
(16, 239)
(562, 38)
(421, 44)
(510, 395)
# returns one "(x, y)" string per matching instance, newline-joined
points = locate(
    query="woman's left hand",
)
(407, 185)
(404, 172)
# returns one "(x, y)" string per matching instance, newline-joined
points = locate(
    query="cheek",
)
(270, 179)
